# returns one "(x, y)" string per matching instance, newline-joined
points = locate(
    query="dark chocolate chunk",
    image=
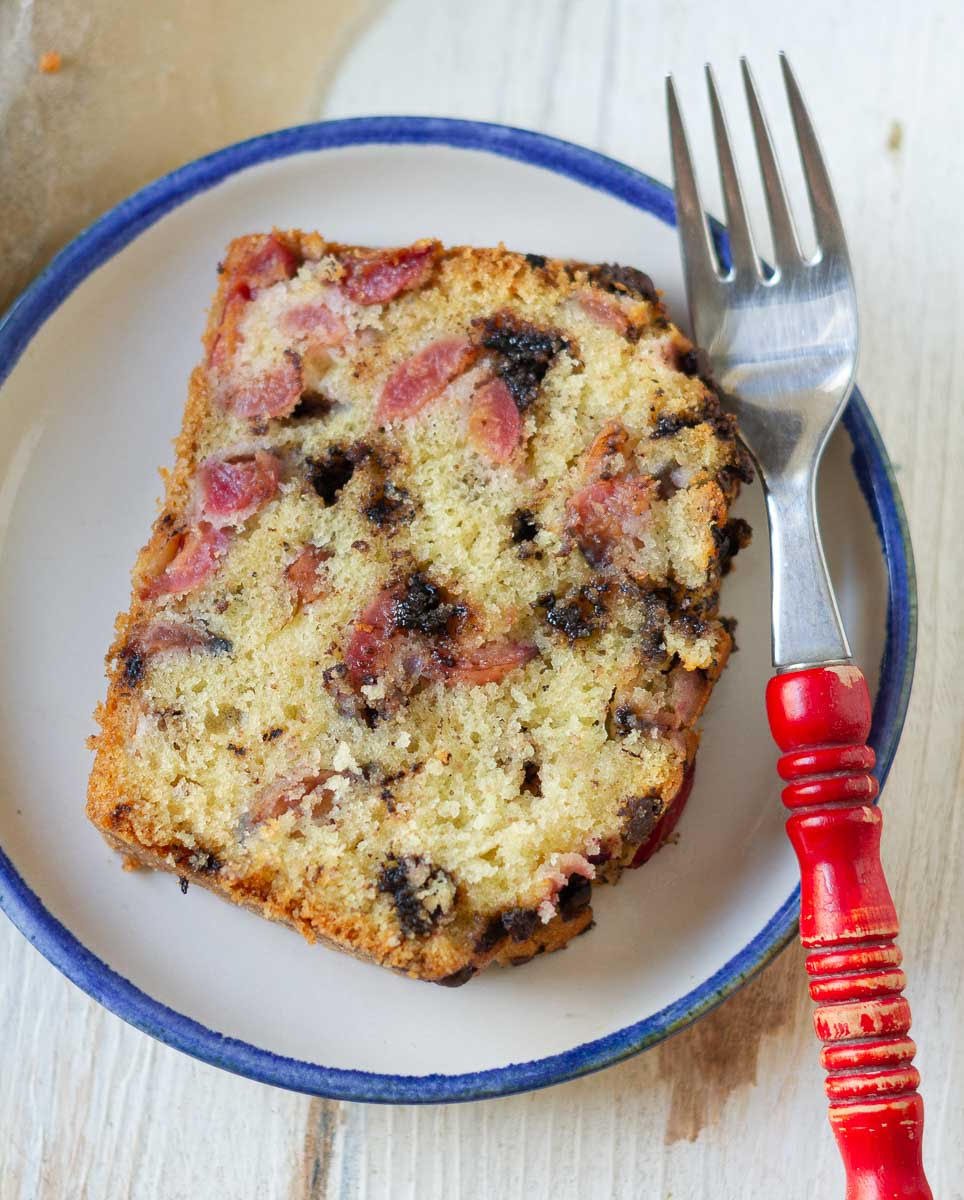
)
(626, 719)
(133, 667)
(408, 881)
(536, 260)
(531, 781)
(577, 614)
(183, 884)
(641, 813)
(523, 353)
(574, 897)
(689, 362)
(709, 413)
(671, 423)
(389, 506)
(652, 633)
(312, 406)
(570, 620)
(494, 933)
(524, 526)
(203, 862)
(520, 923)
(457, 978)
(119, 811)
(135, 659)
(730, 540)
(422, 608)
(628, 280)
(330, 473)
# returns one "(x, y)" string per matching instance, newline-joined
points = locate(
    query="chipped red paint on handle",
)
(820, 719)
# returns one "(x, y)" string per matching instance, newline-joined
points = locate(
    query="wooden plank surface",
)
(733, 1106)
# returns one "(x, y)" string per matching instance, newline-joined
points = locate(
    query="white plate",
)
(108, 337)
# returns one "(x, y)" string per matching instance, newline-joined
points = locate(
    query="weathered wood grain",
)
(732, 1107)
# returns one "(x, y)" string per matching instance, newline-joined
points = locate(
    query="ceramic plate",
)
(97, 355)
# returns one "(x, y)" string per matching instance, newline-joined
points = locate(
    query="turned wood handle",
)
(820, 719)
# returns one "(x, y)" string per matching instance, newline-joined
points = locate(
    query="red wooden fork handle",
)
(820, 719)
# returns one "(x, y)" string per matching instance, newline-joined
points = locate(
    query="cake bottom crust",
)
(571, 921)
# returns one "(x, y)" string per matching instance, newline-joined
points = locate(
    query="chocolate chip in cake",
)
(491, 936)
(640, 814)
(671, 423)
(625, 720)
(520, 923)
(203, 862)
(536, 260)
(457, 978)
(133, 668)
(691, 624)
(312, 406)
(734, 536)
(389, 506)
(523, 353)
(654, 612)
(158, 637)
(743, 472)
(524, 526)
(576, 615)
(531, 781)
(574, 897)
(330, 473)
(422, 608)
(730, 624)
(627, 280)
(423, 894)
(689, 361)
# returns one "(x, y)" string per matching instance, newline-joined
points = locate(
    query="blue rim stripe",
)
(120, 226)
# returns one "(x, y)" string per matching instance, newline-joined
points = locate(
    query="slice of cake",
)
(418, 644)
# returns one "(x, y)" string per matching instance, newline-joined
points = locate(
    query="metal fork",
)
(782, 345)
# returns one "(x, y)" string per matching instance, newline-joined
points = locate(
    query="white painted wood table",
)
(733, 1106)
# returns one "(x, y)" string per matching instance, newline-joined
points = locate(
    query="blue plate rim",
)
(872, 468)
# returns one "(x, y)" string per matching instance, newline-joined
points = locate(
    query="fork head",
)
(782, 345)
(782, 342)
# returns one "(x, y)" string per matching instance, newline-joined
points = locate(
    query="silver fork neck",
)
(805, 624)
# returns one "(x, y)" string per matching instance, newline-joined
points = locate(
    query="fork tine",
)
(699, 258)
(823, 206)
(742, 250)
(785, 245)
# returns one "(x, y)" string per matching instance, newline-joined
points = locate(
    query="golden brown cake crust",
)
(379, 839)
